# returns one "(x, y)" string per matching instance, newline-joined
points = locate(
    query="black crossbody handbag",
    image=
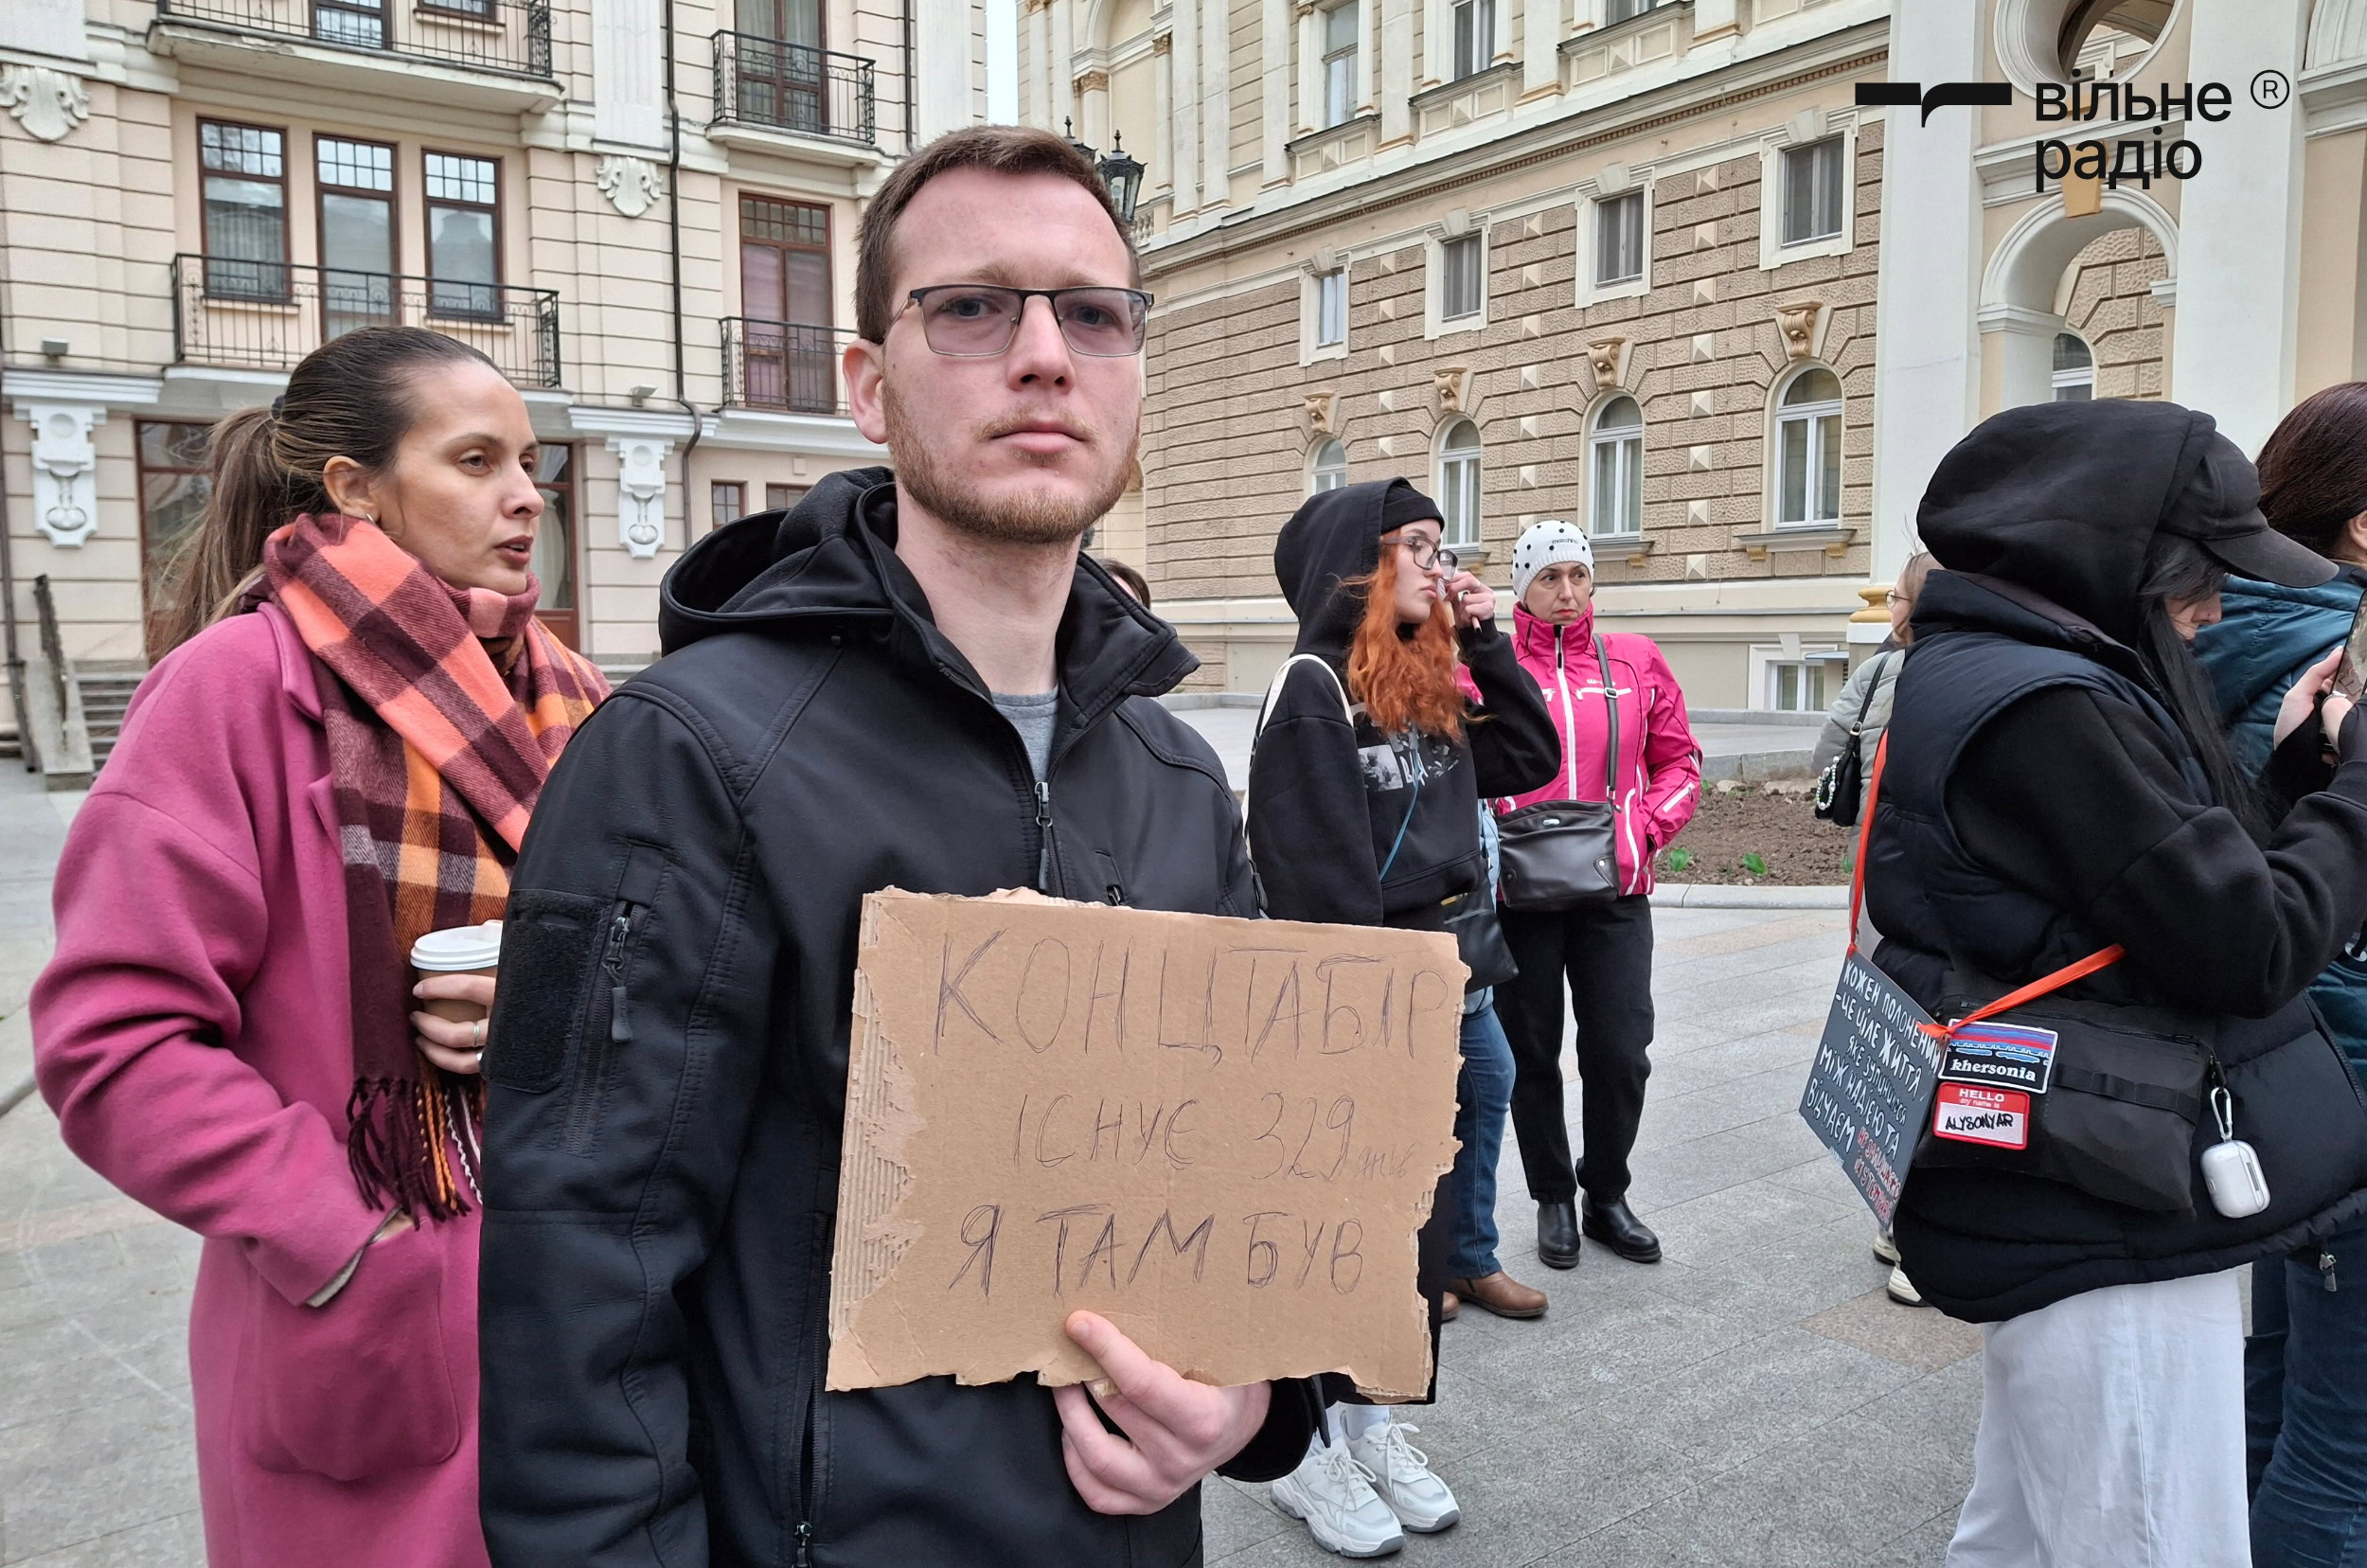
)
(1840, 787)
(1557, 854)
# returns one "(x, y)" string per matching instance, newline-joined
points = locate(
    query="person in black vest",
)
(2057, 783)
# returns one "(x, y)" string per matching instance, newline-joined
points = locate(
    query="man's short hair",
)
(1002, 149)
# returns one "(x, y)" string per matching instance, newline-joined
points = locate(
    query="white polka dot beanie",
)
(1548, 543)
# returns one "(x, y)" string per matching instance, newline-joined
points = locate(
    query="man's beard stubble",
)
(1025, 520)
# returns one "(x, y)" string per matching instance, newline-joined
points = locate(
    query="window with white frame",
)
(1799, 685)
(1475, 36)
(1329, 470)
(2074, 369)
(1331, 308)
(1621, 10)
(1616, 456)
(1462, 276)
(1812, 191)
(1619, 239)
(1459, 482)
(1340, 63)
(1808, 451)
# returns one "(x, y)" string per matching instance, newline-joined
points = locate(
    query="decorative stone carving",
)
(47, 103)
(1450, 385)
(631, 185)
(1095, 80)
(1607, 356)
(1163, 43)
(1319, 413)
(66, 466)
(1798, 321)
(640, 494)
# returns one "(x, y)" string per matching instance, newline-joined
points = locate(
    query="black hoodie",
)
(1330, 801)
(668, 1092)
(2039, 804)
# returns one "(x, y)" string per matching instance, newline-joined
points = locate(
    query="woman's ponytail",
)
(350, 398)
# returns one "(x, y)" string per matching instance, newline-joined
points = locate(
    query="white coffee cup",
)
(458, 950)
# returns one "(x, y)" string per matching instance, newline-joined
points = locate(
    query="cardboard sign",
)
(1966, 1112)
(1870, 1088)
(2005, 1055)
(1221, 1134)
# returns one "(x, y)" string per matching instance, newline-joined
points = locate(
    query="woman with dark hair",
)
(2305, 1363)
(1364, 810)
(1128, 579)
(2059, 817)
(350, 717)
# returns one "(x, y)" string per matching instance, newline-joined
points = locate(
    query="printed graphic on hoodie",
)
(1397, 762)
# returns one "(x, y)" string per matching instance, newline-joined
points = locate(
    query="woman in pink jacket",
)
(1603, 947)
(351, 715)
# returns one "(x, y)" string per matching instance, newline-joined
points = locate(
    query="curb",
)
(21, 1090)
(1709, 896)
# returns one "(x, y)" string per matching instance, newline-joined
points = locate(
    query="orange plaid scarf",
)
(448, 708)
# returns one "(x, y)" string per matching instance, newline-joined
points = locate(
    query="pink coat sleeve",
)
(137, 1019)
(1672, 760)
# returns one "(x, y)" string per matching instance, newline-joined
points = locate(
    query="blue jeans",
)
(2305, 1409)
(1483, 1092)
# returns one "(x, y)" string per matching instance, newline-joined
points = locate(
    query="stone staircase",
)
(105, 695)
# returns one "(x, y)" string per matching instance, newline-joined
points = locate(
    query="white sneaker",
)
(1885, 1249)
(1334, 1495)
(1902, 1289)
(1401, 1475)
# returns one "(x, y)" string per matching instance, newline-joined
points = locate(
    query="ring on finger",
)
(477, 1041)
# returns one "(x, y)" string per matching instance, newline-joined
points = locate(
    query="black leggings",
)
(1605, 950)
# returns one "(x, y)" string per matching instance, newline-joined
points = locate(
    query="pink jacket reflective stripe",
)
(1658, 782)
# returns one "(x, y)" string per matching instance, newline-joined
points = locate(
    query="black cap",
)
(2219, 509)
(1403, 504)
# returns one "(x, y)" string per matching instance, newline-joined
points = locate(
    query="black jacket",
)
(666, 1096)
(2039, 803)
(1328, 800)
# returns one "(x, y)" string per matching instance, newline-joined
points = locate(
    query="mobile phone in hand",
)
(2350, 675)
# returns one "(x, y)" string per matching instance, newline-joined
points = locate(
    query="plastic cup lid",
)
(459, 949)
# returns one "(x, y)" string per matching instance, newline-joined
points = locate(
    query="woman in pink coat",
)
(352, 712)
(1603, 948)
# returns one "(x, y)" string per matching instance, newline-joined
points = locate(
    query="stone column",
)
(1274, 112)
(628, 99)
(1396, 70)
(1540, 52)
(1093, 103)
(1163, 173)
(941, 88)
(1310, 71)
(1216, 98)
(1367, 56)
(1927, 374)
(1042, 69)
(1438, 42)
(2239, 226)
(1185, 133)
(1064, 13)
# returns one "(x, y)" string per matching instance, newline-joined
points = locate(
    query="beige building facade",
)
(1653, 269)
(653, 238)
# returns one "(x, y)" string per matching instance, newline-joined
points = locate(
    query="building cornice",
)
(27, 384)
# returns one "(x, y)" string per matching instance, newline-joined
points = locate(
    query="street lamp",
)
(1121, 173)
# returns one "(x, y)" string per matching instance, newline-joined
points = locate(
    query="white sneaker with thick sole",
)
(1401, 1474)
(1334, 1495)
(1885, 1249)
(1902, 1289)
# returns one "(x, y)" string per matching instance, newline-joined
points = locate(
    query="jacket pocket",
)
(358, 1386)
(550, 954)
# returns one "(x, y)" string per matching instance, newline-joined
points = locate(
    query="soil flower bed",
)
(1758, 835)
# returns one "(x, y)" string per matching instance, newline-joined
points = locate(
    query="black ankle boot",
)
(1558, 1235)
(1615, 1226)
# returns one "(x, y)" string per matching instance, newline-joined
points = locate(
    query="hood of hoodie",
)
(1333, 537)
(2064, 499)
(828, 566)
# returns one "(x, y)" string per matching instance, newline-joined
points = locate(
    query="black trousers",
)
(1604, 951)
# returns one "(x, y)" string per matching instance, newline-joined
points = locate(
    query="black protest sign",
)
(1870, 1090)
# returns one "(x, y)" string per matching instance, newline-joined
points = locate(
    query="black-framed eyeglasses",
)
(1429, 555)
(981, 320)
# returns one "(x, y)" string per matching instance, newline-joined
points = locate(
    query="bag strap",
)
(1273, 692)
(2103, 958)
(1611, 701)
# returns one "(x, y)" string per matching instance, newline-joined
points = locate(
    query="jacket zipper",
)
(1569, 720)
(603, 1045)
(1043, 837)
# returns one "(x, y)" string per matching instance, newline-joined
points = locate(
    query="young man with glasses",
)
(910, 680)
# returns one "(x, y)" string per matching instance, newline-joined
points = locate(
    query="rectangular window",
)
(1331, 308)
(1796, 687)
(464, 237)
(1618, 486)
(785, 294)
(1463, 264)
(1621, 10)
(1812, 191)
(782, 497)
(1475, 36)
(357, 215)
(726, 503)
(1810, 459)
(782, 81)
(173, 486)
(358, 23)
(1619, 239)
(244, 179)
(1340, 92)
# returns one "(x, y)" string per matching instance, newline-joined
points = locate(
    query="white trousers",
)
(2112, 1434)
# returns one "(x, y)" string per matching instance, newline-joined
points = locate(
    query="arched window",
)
(2074, 369)
(1807, 449)
(1617, 454)
(1330, 468)
(1459, 482)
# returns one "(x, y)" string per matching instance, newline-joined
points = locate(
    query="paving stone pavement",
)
(1753, 1401)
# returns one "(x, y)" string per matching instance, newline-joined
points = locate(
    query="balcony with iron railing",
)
(786, 366)
(770, 85)
(472, 53)
(233, 313)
